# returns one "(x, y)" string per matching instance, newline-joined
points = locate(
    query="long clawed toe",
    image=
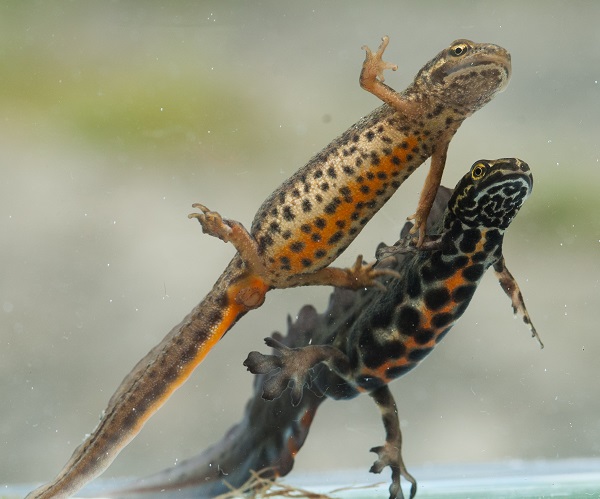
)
(365, 274)
(389, 455)
(212, 223)
(374, 62)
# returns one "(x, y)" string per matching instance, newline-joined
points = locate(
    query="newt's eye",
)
(478, 171)
(459, 49)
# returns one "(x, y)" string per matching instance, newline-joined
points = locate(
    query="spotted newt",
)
(364, 339)
(302, 227)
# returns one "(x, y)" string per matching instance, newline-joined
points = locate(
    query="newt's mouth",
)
(490, 58)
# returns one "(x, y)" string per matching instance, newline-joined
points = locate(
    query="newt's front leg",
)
(512, 290)
(371, 79)
(430, 187)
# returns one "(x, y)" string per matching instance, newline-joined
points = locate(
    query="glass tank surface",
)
(116, 117)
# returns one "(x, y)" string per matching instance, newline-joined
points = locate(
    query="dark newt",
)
(365, 339)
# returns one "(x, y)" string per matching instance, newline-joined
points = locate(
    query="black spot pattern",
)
(423, 336)
(288, 214)
(335, 238)
(297, 246)
(376, 354)
(441, 320)
(469, 240)
(464, 292)
(419, 354)
(409, 320)
(436, 298)
(473, 273)
(397, 371)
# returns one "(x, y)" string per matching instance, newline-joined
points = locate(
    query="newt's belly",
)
(311, 223)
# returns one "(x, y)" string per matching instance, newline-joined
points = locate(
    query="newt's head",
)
(466, 75)
(491, 193)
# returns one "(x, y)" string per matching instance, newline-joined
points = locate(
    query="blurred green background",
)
(116, 116)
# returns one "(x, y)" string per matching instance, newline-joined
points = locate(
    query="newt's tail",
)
(266, 440)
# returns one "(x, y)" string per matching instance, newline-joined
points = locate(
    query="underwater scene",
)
(117, 117)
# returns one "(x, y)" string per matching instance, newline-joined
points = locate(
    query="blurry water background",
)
(116, 116)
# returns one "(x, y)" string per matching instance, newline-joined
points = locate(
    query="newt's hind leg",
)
(230, 231)
(360, 275)
(293, 366)
(390, 454)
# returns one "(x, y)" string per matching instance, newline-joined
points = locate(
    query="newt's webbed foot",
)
(365, 275)
(420, 221)
(389, 455)
(374, 65)
(293, 366)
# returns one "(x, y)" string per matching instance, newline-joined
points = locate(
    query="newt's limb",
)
(293, 366)
(390, 454)
(512, 290)
(430, 187)
(230, 231)
(360, 275)
(372, 77)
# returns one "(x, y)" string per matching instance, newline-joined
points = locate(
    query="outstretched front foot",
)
(512, 290)
(374, 65)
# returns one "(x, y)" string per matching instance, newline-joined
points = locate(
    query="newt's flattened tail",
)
(267, 438)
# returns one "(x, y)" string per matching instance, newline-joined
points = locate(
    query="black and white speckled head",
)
(491, 194)
(466, 75)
